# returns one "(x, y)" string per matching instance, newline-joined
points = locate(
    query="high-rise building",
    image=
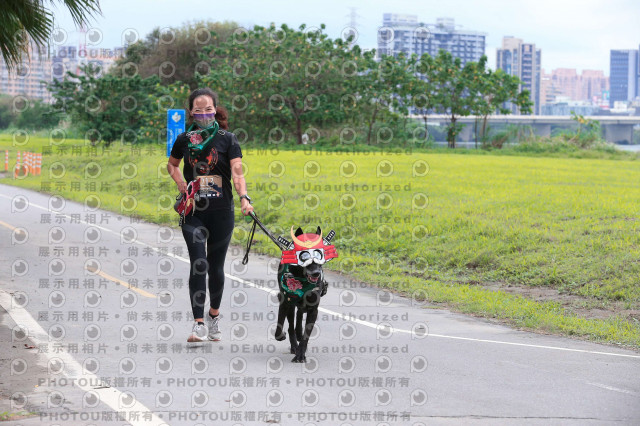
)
(593, 85)
(522, 60)
(43, 64)
(548, 89)
(590, 85)
(567, 81)
(624, 76)
(30, 77)
(65, 59)
(403, 33)
(69, 58)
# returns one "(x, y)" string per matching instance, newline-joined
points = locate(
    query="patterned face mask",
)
(204, 120)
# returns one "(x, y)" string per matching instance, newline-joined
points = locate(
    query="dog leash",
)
(245, 259)
(257, 222)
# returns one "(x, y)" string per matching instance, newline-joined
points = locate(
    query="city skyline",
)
(572, 34)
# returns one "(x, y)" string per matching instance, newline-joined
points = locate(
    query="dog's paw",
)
(300, 354)
(281, 337)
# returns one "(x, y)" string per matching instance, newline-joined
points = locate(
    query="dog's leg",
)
(282, 313)
(299, 324)
(324, 286)
(292, 334)
(312, 315)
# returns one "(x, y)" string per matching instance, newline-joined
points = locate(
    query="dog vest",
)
(295, 287)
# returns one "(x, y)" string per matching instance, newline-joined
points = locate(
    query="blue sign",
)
(175, 126)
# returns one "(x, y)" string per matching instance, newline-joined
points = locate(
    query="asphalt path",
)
(95, 315)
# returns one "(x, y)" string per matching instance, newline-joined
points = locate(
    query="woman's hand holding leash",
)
(246, 206)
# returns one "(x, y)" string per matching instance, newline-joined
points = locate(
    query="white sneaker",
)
(198, 333)
(214, 328)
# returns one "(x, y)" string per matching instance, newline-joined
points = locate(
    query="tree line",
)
(280, 81)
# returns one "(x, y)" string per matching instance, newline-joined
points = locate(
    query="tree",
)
(38, 115)
(152, 118)
(24, 19)
(382, 87)
(452, 82)
(403, 87)
(492, 91)
(279, 76)
(424, 90)
(7, 115)
(106, 108)
(175, 54)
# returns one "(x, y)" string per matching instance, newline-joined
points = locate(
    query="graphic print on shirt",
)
(210, 185)
(202, 166)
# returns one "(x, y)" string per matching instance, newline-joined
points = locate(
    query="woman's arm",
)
(176, 175)
(240, 184)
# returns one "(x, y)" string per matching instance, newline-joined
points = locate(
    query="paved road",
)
(95, 315)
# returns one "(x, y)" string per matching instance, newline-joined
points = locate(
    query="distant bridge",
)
(616, 129)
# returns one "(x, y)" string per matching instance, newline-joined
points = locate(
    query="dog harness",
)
(294, 286)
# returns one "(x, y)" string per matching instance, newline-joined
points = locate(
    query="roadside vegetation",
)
(539, 232)
(546, 244)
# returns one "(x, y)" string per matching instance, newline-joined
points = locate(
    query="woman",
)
(213, 156)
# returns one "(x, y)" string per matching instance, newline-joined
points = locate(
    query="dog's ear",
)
(298, 231)
(318, 231)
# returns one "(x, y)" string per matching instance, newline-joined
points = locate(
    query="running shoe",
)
(198, 334)
(214, 328)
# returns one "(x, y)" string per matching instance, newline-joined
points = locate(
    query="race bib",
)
(210, 186)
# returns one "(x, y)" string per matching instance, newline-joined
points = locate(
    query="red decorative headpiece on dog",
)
(308, 248)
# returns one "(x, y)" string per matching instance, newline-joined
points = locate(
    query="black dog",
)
(302, 284)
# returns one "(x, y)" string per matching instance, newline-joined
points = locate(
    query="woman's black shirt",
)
(214, 161)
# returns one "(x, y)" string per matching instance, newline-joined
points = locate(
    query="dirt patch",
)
(578, 305)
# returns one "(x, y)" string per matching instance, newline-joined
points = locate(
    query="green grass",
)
(559, 223)
(6, 416)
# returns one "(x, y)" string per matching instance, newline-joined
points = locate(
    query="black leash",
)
(257, 222)
(245, 259)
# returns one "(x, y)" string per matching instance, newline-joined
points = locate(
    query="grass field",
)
(549, 244)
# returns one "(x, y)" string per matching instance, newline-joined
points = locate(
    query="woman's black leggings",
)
(213, 228)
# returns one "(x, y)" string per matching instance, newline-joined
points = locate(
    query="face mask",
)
(204, 120)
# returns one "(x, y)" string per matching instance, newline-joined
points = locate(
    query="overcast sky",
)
(571, 33)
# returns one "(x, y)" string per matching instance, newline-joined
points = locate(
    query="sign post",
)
(175, 126)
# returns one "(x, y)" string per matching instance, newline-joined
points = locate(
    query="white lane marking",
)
(442, 336)
(358, 321)
(611, 388)
(108, 395)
